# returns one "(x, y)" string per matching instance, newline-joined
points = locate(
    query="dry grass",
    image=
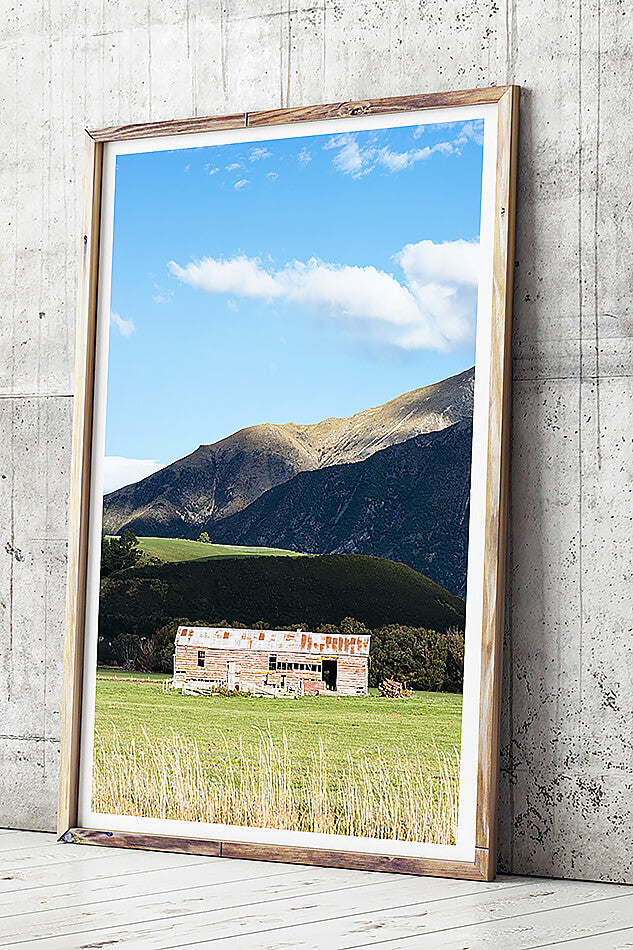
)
(400, 796)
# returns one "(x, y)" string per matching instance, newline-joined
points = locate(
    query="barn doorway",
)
(329, 672)
(231, 674)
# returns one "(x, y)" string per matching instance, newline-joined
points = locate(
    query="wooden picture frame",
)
(480, 865)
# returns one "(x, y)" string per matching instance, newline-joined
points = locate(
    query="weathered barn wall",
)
(567, 763)
(249, 651)
(251, 668)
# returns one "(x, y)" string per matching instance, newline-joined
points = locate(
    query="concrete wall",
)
(567, 764)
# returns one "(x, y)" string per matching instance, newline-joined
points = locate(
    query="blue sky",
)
(292, 279)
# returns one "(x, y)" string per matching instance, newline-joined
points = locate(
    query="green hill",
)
(277, 590)
(178, 549)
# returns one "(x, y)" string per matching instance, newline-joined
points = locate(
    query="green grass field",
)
(177, 549)
(382, 767)
(132, 703)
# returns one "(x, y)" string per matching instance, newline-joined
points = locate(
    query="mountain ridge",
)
(220, 479)
(408, 503)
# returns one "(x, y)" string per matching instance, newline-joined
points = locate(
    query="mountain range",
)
(408, 503)
(392, 481)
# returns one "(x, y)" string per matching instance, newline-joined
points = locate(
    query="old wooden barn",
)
(270, 662)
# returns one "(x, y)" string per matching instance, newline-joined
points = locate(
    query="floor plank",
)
(293, 916)
(77, 869)
(14, 840)
(70, 897)
(258, 903)
(88, 890)
(574, 925)
(618, 939)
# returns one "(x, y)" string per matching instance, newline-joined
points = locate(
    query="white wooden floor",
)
(64, 897)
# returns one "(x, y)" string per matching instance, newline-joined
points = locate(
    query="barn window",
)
(201, 654)
(272, 662)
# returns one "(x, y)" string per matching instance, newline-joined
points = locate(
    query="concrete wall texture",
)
(566, 806)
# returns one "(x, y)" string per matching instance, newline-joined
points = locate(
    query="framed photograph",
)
(287, 512)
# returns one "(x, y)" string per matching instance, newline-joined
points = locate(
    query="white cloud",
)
(162, 294)
(240, 184)
(453, 262)
(234, 166)
(357, 160)
(119, 471)
(125, 327)
(272, 175)
(240, 276)
(432, 306)
(304, 157)
(398, 161)
(349, 157)
(471, 132)
(210, 170)
(257, 154)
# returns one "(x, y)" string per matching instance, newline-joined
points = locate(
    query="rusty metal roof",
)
(272, 641)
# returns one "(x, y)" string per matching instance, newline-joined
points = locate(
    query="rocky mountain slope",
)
(408, 503)
(219, 480)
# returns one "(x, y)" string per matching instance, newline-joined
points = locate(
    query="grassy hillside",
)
(178, 549)
(277, 590)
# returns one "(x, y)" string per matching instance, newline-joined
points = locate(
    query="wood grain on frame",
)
(497, 475)
(80, 487)
(149, 130)
(483, 865)
(284, 854)
(332, 110)
(345, 110)
(141, 842)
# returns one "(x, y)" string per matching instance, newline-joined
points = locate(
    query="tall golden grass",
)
(402, 796)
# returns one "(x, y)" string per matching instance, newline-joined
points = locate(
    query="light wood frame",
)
(482, 868)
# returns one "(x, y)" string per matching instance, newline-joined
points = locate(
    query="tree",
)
(412, 655)
(163, 643)
(348, 627)
(125, 650)
(454, 677)
(119, 553)
(204, 537)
